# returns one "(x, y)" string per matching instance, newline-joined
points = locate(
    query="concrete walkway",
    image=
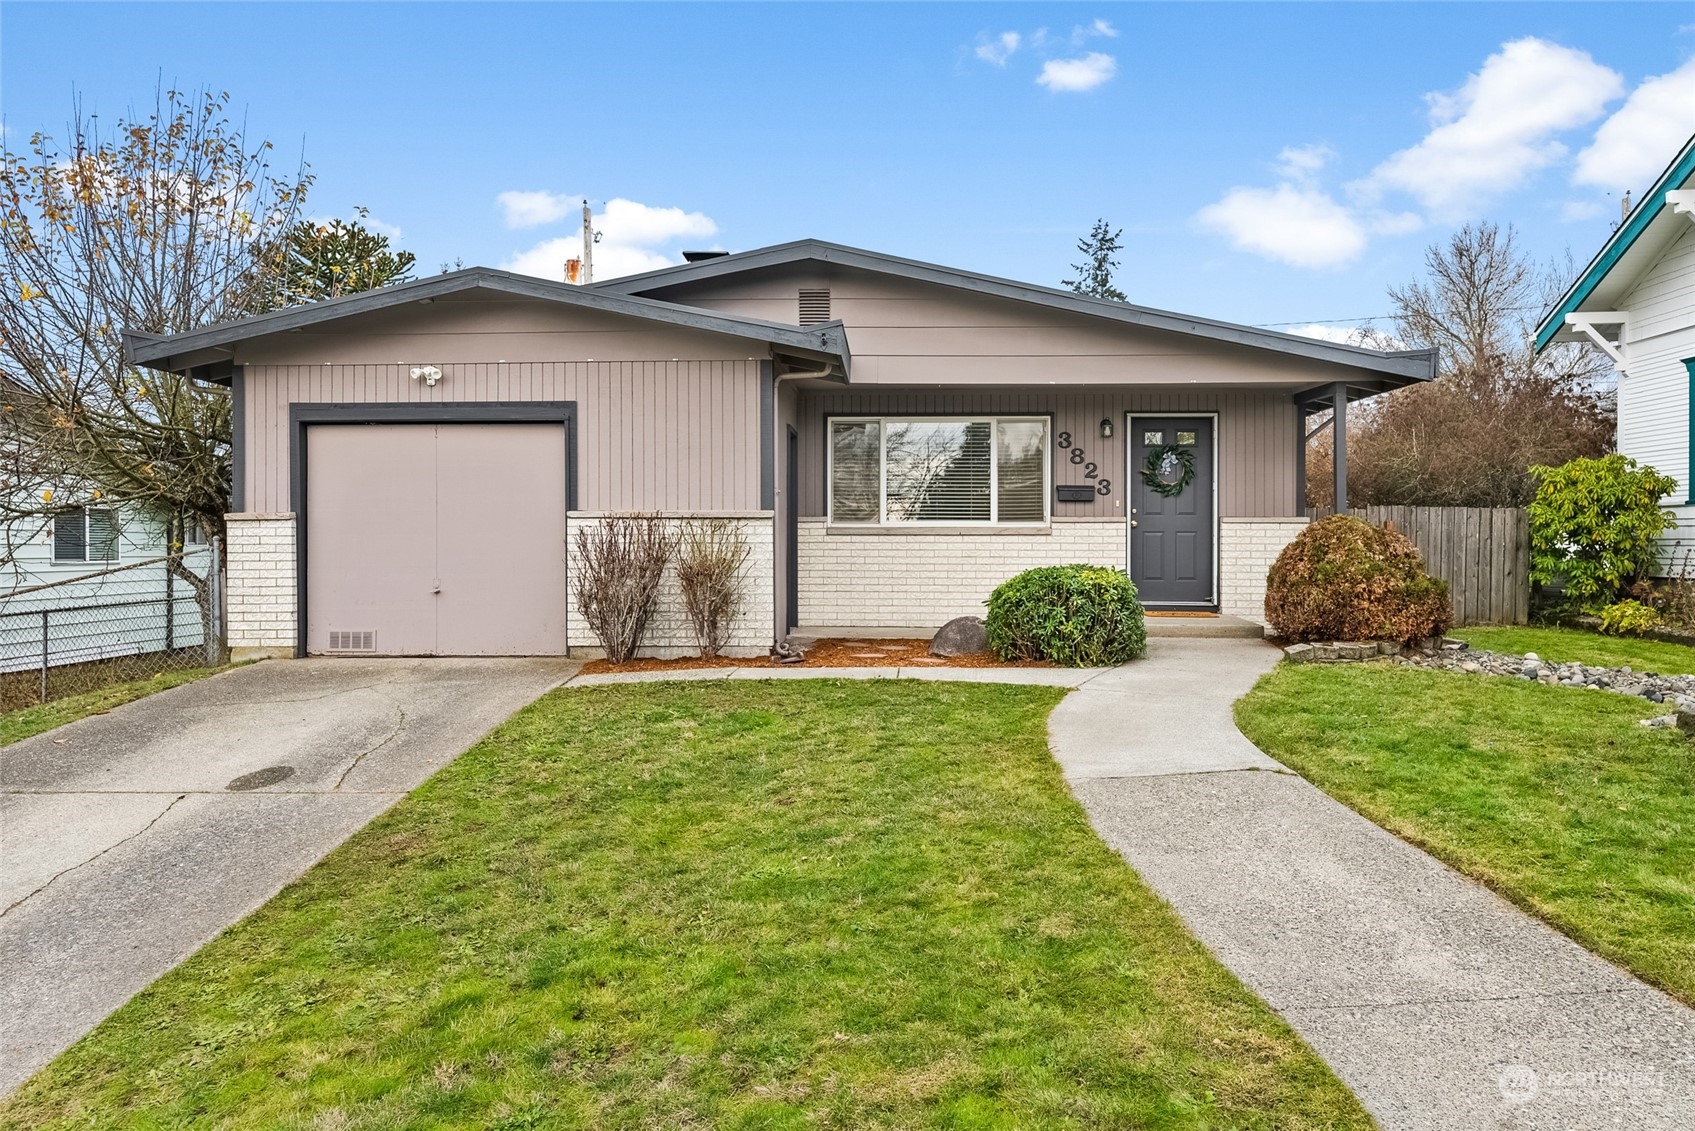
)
(1442, 1006)
(128, 840)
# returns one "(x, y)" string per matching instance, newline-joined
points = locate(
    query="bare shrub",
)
(1675, 597)
(711, 555)
(1470, 438)
(619, 564)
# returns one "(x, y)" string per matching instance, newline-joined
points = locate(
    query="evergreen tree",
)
(1094, 274)
(340, 257)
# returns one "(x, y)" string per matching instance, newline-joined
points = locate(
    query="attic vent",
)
(358, 640)
(814, 306)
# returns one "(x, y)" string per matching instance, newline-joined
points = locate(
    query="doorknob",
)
(1134, 524)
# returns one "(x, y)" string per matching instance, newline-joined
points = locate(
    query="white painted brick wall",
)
(260, 579)
(668, 633)
(1246, 549)
(919, 579)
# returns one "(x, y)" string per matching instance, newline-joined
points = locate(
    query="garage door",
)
(435, 539)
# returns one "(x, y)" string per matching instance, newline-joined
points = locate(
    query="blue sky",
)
(1269, 163)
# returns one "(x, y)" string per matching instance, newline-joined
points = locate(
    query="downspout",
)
(779, 493)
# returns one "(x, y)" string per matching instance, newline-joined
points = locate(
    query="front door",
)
(1172, 523)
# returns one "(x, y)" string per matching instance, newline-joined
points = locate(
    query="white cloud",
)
(1083, 73)
(1302, 162)
(634, 237)
(531, 209)
(1643, 135)
(1499, 127)
(999, 49)
(1100, 27)
(1295, 224)
(1577, 211)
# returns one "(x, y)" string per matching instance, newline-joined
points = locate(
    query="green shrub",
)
(1078, 616)
(1594, 525)
(1345, 579)
(1629, 618)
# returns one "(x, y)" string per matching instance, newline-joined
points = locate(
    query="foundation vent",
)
(814, 306)
(355, 640)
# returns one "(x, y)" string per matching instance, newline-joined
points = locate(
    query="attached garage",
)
(444, 538)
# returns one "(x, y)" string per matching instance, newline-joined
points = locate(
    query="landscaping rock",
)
(1298, 653)
(1355, 651)
(961, 636)
(1388, 648)
(1674, 691)
(1660, 721)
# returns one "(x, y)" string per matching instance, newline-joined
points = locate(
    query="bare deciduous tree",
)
(618, 567)
(1498, 408)
(159, 225)
(711, 556)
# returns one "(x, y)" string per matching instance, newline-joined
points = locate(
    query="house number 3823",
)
(1080, 458)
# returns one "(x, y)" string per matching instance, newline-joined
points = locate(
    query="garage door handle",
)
(435, 587)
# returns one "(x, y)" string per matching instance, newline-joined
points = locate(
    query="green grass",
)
(811, 904)
(1552, 796)
(1573, 645)
(27, 722)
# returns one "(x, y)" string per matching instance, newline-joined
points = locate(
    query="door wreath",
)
(1168, 469)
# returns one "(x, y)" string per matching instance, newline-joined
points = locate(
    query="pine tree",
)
(1094, 274)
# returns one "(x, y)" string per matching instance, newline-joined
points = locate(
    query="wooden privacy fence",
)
(1483, 553)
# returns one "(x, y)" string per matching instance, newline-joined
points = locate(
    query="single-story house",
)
(1636, 301)
(895, 438)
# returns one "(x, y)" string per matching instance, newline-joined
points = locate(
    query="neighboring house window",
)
(939, 471)
(86, 534)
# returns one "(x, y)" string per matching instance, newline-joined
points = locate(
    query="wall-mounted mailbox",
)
(1076, 492)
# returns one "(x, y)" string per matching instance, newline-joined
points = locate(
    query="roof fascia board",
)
(828, 341)
(1620, 242)
(1413, 364)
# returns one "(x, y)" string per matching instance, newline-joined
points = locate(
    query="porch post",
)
(1339, 442)
(1300, 458)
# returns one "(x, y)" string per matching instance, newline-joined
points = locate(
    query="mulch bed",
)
(829, 654)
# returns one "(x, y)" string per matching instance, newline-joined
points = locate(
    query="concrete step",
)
(1237, 628)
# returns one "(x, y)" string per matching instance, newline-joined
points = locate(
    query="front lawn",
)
(1573, 645)
(1554, 797)
(27, 722)
(799, 904)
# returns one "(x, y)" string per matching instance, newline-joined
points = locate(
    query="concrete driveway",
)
(128, 840)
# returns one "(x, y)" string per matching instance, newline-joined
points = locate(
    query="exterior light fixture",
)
(428, 374)
(1106, 429)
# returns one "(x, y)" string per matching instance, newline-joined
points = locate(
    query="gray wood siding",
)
(1256, 437)
(652, 435)
(906, 332)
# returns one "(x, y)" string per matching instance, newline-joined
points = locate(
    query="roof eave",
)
(178, 352)
(1414, 364)
(1652, 204)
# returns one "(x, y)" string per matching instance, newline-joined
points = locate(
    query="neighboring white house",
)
(92, 574)
(1636, 301)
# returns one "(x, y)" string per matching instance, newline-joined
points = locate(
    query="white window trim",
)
(82, 512)
(994, 520)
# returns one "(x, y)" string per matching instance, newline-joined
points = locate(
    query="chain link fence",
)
(130, 622)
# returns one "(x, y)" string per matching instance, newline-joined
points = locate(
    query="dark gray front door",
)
(1171, 536)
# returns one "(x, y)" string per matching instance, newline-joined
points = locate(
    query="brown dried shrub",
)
(712, 556)
(1345, 579)
(619, 564)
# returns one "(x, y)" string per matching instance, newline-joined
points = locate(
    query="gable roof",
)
(206, 352)
(1627, 255)
(1402, 367)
